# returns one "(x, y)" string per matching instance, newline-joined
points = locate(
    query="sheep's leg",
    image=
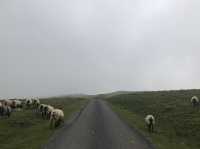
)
(48, 116)
(57, 123)
(1, 112)
(149, 128)
(62, 120)
(51, 123)
(152, 128)
(43, 115)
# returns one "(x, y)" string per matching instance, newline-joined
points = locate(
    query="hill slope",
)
(177, 122)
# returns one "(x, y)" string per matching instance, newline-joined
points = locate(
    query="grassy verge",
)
(27, 130)
(178, 123)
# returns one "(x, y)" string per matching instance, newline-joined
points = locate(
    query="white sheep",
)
(16, 104)
(49, 111)
(195, 101)
(41, 109)
(7, 110)
(1, 109)
(57, 116)
(36, 102)
(7, 102)
(150, 122)
(28, 102)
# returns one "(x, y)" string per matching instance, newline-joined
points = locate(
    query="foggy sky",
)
(56, 47)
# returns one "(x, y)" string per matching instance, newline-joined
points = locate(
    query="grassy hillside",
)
(27, 130)
(177, 122)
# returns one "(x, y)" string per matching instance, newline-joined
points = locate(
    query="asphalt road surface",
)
(98, 127)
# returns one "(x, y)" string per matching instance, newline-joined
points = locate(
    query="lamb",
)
(57, 116)
(195, 101)
(150, 121)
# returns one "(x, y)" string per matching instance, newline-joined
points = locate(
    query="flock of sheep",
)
(150, 120)
(55, 116)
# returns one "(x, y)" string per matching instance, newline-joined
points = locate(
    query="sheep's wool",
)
(195, 98)
(147, 118)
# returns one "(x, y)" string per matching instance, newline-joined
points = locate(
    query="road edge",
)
(133, 128)
(67, 124)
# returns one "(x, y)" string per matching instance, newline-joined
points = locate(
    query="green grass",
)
(177, 122)
(27, 130)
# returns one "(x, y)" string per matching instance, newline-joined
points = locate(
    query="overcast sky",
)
(56, 47)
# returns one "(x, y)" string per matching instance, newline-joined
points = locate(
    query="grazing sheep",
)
(195, 101)
(13, 105)
(57, 116)
(150, 121)
(28, 102)
(7, 102)
(19, 104)
(23, 102)
(7, 110)
(40, 108)
(36, 102)
(16, 104)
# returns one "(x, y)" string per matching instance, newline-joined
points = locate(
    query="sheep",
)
(195, 101)
(150, 122)
(23, 100)
(1, 109)
(45, 110)
(36, 102)
(57, 116)
(28, 102)
(7, 110)
(7, 102)
(49, 111)
(16, 104)
(19, 103)
(41, 109)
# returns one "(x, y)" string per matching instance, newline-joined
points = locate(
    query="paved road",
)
(98, 127)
